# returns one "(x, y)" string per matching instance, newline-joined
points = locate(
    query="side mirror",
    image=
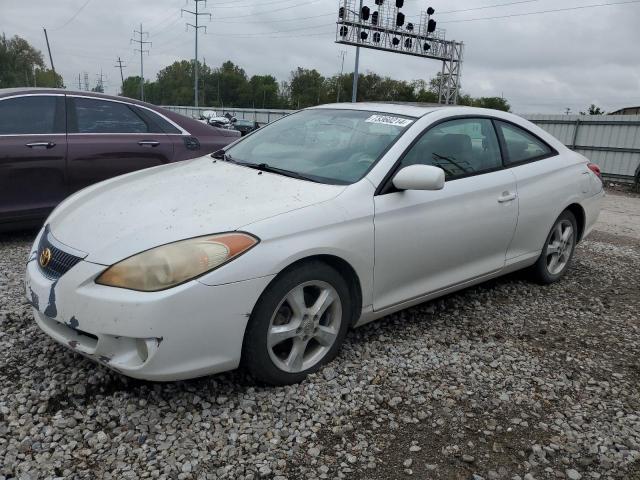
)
(233, 120)
(419, 177)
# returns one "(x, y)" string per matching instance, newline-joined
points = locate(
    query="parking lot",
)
(505, 380)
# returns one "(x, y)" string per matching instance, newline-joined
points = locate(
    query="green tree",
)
(22, 65)
(495, 103)
(175, 84)
(593, 110)
(264, 92)
(131, 87)
(46, 78)
(307, 88)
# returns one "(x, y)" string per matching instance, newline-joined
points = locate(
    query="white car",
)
(266, 254)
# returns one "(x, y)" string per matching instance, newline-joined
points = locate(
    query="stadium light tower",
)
(385, 27)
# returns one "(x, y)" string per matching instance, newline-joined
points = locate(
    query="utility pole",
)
(354, 93)
(55, 77)
(343, 53)
(121, 74)
(100, 82)
(142, 51)
(196, 27)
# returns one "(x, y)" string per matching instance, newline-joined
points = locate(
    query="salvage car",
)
(55, 142)
(245, 126)
(268, 253)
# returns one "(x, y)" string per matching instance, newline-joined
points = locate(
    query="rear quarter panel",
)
(546, 188)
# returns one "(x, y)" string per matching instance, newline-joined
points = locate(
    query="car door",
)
(33, 148)
(543, 183)
(109, 138)
(426, 241)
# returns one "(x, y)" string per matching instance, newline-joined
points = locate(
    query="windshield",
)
(328, 146)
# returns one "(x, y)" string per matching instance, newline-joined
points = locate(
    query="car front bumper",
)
(184, 332)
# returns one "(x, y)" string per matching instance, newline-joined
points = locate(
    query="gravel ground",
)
(506, 380)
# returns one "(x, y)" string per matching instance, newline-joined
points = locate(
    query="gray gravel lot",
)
(505, 380)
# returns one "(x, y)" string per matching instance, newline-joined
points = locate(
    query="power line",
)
(234, 5)
(271, 11)
(332, 14)
(543, 11)
(488, 6)
(73, 17)
(269, 33)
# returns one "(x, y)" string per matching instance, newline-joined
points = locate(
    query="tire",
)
(559, 247)
(297, 325)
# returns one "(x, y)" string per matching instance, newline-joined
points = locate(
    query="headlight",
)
(170, 265)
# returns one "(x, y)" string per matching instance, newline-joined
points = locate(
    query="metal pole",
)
(354, 93)
(141, 68)
(196, 59)
(342, 54)
(55, 77)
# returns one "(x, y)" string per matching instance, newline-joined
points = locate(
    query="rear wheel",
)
(297, 325)
(558, 251)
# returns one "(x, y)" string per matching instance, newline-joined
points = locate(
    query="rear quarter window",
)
(521, 145)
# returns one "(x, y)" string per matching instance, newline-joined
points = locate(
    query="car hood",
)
(126, 215)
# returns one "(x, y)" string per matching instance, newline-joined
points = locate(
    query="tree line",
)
(22, 65)
(230, 86)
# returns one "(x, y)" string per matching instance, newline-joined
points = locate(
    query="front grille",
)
(61, 262)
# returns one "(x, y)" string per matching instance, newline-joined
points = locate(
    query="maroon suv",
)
(55, 142)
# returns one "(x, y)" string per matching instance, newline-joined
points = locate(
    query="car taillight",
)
(595, 169)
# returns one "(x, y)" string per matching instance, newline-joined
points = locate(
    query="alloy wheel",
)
(560, 247)
(304, 326)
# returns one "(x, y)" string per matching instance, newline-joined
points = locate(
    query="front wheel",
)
(297, 325)
(558, 250)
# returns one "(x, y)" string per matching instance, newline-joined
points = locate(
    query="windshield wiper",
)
(265, 167)
(222, 155)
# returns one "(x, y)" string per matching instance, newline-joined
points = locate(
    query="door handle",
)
(507, 197)
(40, 145)
(148, 143)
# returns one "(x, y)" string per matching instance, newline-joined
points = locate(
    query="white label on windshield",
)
(389, 120)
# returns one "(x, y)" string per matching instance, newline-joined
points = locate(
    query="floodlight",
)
(430, 11)
(399, 3)
(363, 35)
(426, 47)
(366, 11)
(431, 26)
(410, 26)
(341, 12)
(379, 2)
(400, 19)
(374, 18)
(395, 41)
(377, 37)
(408, 43)
(344, 31)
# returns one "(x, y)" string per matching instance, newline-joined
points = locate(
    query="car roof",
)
(397, 108)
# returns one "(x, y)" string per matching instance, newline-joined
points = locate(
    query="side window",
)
(30, 115)
(521, 145)
(460, 147)
(101, 116)
(163, 125)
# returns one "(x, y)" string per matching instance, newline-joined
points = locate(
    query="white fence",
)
(262, 116)
(611, 141)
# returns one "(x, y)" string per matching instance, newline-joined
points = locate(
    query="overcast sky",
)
(541, 63)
